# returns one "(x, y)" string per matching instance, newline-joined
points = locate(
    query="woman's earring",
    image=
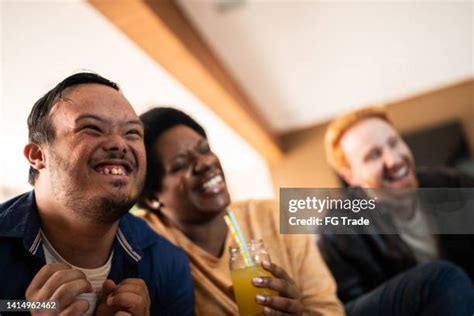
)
(155, 205)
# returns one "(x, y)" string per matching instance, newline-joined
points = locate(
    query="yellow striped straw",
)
(237, 235)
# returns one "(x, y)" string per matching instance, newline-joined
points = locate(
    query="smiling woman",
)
(193, 186)
(185, 199)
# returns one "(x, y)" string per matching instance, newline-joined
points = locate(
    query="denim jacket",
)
(138, 253)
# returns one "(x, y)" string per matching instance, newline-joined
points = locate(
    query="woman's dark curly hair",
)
(155, 122)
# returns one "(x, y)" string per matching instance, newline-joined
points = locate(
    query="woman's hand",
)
(289, 300)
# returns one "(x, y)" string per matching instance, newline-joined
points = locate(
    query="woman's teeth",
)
(209, 184)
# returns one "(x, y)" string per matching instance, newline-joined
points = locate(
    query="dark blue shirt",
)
(138, 253)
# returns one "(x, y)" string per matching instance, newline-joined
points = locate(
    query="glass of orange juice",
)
(242, 275)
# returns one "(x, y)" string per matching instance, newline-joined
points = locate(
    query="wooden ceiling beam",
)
(163, 32)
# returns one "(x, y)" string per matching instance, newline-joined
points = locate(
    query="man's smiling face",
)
(96, 162)
(377, 156)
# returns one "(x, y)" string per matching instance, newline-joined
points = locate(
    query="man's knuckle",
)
(58, 275)
(141, 282)
(83, 283)
(139, 300)
(80, 274)
(139, 288)
(59, 295)
(65, 292)
(38, 295)
(52, 267)
(119, 299)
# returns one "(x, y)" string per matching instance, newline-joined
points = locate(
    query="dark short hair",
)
(157, 121)
(40, 129)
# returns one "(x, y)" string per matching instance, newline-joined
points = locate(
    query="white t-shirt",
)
(418, 234)
(95, 276)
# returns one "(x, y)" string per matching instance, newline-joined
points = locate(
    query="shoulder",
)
(165, 269)
(444, 178)
(257, 207)
(161, 264)
(257, 214)
(163, 250)
(16, 202)
(17, 215)
(150, 241)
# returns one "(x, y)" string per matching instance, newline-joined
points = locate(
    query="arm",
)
(298, 263)
(316, 283)
(349, 281)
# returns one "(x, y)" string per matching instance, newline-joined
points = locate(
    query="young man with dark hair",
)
(40, 129)
(70, 240)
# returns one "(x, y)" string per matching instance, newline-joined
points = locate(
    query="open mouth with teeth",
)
(213, 185)
(113, 170)
(400, 176)
(397, 174)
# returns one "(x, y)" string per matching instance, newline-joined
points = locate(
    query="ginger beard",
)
(379, 161)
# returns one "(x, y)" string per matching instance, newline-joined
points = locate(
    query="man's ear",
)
(35, 156)
(347, 175)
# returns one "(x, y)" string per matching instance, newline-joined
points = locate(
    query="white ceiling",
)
(302, 62)
(42, 42)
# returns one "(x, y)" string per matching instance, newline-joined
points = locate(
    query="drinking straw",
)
(247, 259)
(239, 237)
(234, 234)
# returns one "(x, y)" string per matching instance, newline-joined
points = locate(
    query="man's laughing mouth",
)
(397, 173)
(400, 176)
(114, 168)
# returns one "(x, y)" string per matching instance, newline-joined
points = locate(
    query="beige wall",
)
(304, 164)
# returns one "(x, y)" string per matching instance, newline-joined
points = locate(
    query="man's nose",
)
(115, 143)
(392, 158)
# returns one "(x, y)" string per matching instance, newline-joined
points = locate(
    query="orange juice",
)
(245, 291)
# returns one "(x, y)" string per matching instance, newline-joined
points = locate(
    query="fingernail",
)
(110, 300)
(260, 298)
(267, 311)
(257, 281)
(266, 264)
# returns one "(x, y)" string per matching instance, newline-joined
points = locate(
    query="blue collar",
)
(19, 219)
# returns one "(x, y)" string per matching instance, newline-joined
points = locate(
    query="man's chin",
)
(392, 191)
(108, 209)
(395, 196)
(401, 185)
(120, 192)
